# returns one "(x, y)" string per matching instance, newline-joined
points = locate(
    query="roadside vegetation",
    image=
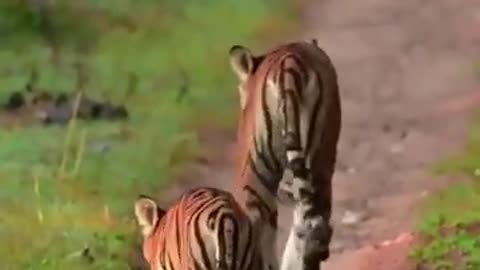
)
(67, 191)
(451, 223)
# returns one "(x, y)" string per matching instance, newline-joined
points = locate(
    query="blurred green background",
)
(66, 200)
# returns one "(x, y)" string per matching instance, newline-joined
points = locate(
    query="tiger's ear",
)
(242, 61)
(161, 212)
(147, 214)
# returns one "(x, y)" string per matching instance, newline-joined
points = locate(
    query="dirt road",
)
(407, 83)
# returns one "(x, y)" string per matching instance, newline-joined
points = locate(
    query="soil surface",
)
(406, 72)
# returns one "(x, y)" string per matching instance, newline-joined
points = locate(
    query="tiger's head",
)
(148, 215)
(245, 65)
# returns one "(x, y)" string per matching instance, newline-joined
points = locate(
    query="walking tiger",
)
(205, 229)
(290, 119)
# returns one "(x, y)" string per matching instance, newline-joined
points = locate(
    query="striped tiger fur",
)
(290, 119)
(205, 229)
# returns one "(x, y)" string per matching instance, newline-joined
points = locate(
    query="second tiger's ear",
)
(147, 214)
(242, 61)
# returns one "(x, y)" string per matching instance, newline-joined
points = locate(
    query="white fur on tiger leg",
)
(284, 192)
(290, 191)
(298, 183)
(301, 242)
(291, 257)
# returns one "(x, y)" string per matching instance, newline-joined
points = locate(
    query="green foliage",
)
(451, 221)
(458, 251)
(69, 206)
(446, 224)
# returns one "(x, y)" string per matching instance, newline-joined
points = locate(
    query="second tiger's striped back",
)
(204, 230)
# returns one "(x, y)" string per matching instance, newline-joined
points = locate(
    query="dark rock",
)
(85, 107)
(61, 99)
(96, 111)
(58, 109)
(120, 112)
(15, 101)
(42, 97)
(109, 111)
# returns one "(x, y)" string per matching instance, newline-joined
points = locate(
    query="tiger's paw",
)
(315, 235)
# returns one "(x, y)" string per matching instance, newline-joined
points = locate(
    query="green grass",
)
(466, 162)
(80, 217)
(451, 218)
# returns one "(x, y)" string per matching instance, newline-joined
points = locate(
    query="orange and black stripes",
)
(204, 230)
(285, 96)
(290, 119)
(291, 88)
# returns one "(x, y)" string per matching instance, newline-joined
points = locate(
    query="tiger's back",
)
(204, 229)
(288, 95)
(290, 119)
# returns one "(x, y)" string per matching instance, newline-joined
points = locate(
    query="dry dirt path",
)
(407, 83)
(405, 68)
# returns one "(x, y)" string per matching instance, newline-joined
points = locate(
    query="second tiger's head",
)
(148, 215)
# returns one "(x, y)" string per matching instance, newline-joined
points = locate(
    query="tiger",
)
(204, 229)
(289, 120)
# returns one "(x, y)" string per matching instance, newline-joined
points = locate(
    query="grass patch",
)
(451, 223)
(467, 162)
(68, 206)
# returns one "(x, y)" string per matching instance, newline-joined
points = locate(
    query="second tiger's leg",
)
(268, 243)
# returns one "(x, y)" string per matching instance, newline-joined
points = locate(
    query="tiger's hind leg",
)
(221, 265)
(285, 192)
(305, 247)
(226, 237)
(310, 234)
(289, 190)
